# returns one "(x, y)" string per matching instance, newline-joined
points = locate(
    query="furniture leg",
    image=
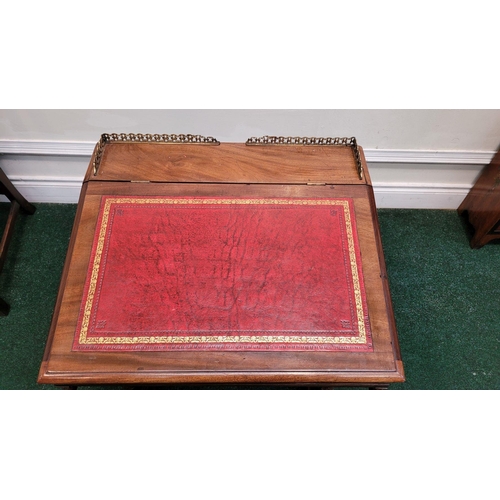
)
(4, 307)
(8, 189)
(18, 202)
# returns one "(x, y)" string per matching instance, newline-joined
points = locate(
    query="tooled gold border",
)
(280, 339)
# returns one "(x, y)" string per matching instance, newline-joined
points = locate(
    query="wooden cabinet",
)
(482, 205)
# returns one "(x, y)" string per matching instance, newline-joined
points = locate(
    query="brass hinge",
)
(311, 141)
(316, 183)
(155, 138)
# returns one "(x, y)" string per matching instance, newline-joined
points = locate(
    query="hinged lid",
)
(188, 158)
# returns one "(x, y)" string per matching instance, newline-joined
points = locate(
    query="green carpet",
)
(446, 300)
(446, 296)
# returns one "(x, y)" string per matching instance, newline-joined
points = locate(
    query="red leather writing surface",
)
(227, 274)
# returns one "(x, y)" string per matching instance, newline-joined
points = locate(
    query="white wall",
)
(477, 130)
(417, 158)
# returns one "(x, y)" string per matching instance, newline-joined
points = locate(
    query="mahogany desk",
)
(194, 262)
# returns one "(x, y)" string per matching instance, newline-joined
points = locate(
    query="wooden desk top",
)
(232, 172)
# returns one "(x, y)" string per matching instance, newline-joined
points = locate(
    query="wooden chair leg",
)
(4, 244)
(7, 232)
(18, 202)
(9, 190)
(4, 307)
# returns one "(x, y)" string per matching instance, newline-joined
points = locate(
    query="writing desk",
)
(197, 262)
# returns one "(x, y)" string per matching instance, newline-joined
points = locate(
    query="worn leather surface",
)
(212, 274)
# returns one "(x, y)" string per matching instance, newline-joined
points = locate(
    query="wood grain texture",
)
(62, 366)
(227, 163)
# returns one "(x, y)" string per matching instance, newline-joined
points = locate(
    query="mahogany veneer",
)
(229, 171)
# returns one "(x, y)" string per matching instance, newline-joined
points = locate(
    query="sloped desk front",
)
(224, 264)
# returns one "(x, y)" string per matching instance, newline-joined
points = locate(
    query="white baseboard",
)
(86, 148)
(60, 190)
(420, 196)
(426, 157)
(47, 190)
(390, 172)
